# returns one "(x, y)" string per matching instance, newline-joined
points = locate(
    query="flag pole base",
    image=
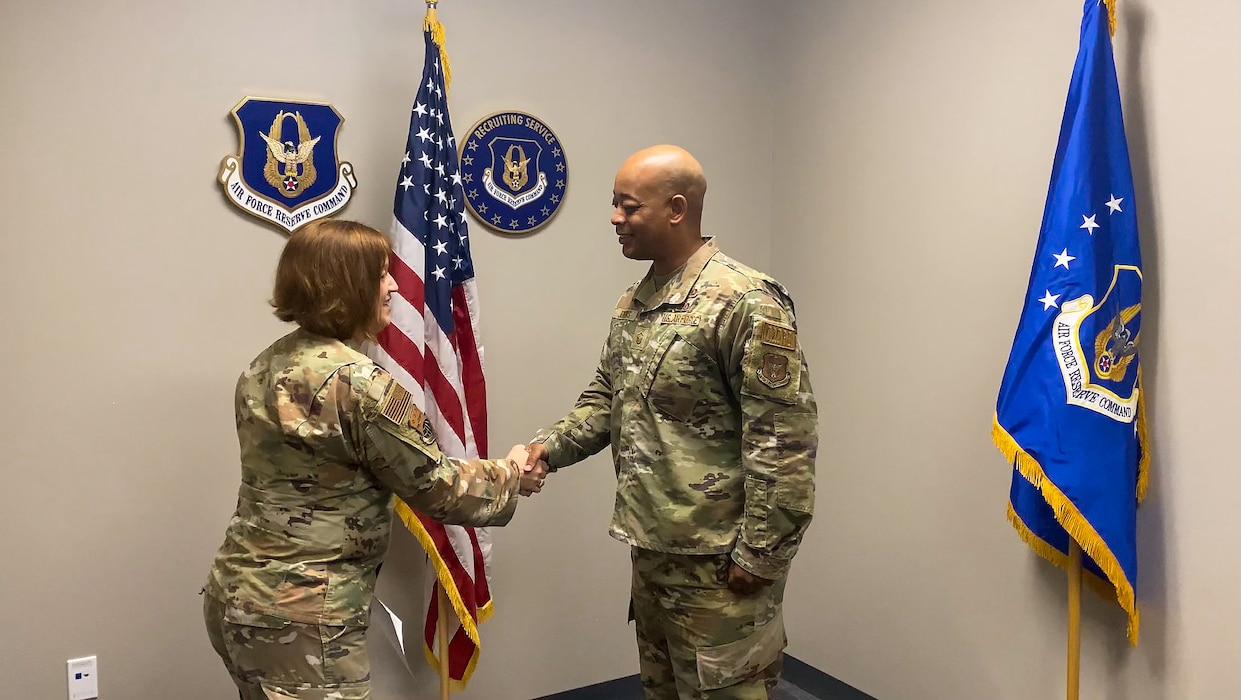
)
(441, 634)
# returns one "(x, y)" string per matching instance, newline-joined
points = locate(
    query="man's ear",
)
(679, 206)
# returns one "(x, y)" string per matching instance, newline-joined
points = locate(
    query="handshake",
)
(532, 460)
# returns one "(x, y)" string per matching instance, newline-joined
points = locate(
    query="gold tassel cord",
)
(1111, 16)
(431, 23)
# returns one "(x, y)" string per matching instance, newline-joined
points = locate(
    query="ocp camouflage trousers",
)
(271, 658)
(697, 640)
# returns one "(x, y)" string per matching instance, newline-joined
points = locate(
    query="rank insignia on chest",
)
(774, 370)
(287, 170)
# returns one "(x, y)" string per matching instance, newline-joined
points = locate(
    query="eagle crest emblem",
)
(1097, 374)
(299, 165)
(513, 171)
(287, 171)
(516, 167)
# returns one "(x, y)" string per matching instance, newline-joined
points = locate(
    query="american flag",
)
(432, 347)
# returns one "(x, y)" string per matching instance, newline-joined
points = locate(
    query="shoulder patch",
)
(776, 334)
(772, 365)
(774, 370)
(398, 406)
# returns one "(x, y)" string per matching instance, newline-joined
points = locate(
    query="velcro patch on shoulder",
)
(776, 334)
(396, 403)
(772, 364)
(398, 406)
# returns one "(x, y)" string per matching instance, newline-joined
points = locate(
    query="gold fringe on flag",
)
(1144, 464)
(441, 570)
(431, 23)
(1100, 586)
(1073, 522)
(442, 573)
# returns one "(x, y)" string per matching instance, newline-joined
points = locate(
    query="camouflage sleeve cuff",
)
(551, 441)
(504, 514)
(759, 563)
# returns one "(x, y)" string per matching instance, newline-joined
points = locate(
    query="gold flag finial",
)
(431, 23)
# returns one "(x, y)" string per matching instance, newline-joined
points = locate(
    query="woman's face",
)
(383, 314)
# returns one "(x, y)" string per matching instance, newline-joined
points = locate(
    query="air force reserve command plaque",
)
(514, 172)
(287, 171)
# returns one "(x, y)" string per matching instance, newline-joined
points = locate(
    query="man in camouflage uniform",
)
(703, 394)
(327, 438)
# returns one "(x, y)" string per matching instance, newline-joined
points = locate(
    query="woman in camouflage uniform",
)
(327, 437)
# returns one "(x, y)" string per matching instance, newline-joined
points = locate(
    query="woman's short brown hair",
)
(327, 280)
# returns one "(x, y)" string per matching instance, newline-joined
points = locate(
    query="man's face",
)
(640, 216)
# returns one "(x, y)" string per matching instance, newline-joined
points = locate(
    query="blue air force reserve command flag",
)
(1070, 416)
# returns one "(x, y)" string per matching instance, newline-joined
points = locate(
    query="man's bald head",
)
(657, 206)
(668, 171)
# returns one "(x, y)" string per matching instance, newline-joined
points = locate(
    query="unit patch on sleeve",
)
(772, 367)
(774, 371)
(398, 406)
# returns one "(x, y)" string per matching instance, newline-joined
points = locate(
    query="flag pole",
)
(1074, 674)
(1074, 666)
(431, 23)
(441, 633)
(1075, 619)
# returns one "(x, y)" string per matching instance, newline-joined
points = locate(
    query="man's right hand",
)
(536, 452)
(534, 469)
(531, 480)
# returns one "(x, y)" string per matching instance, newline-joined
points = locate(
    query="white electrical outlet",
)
(83, 678)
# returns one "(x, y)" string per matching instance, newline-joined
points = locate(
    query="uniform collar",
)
(678, 289)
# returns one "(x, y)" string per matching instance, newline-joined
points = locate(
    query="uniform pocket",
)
(302, 594)
(729, 664)
(346, 659)
(681, 378)
(235, 615)
(758, 495)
